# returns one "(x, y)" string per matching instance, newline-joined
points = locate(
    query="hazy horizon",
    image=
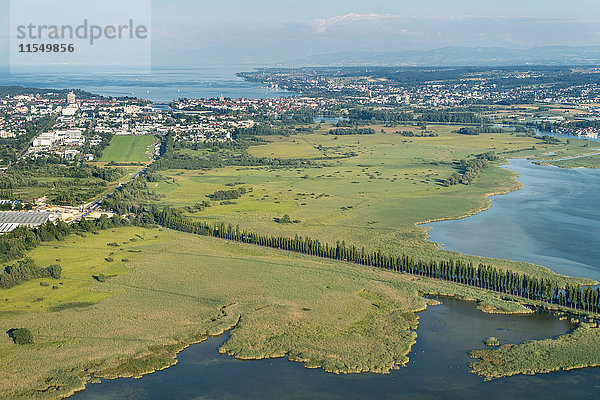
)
(267, 32)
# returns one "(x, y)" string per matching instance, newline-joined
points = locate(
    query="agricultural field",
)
(129, 149)
(175, 289)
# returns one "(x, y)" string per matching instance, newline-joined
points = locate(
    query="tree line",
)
(454, 270)
(228, 194)
(471, 169)
(352, 131)
(366, 114)
(477, 130)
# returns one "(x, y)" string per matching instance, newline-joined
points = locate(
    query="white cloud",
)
(321, 25)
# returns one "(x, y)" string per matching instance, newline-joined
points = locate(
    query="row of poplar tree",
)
(454, 270)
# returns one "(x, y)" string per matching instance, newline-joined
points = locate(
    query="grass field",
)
(375, 199)
(180, 287)
(129, 148)
(177, 288)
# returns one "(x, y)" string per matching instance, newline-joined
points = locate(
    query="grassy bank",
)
(582, 162)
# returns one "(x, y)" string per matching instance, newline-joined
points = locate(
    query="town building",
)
(10, 220)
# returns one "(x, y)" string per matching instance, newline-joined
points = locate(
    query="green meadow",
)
(174, 289)
(592, 161)
(129, 148)
(164, 290)
(374, 198)
(177, 288)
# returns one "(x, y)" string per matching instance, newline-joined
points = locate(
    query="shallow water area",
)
(438, 368)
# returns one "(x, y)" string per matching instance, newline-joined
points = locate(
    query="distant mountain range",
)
(461, 56)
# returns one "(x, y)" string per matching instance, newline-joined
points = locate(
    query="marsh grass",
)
(578, 349)
(179, 288)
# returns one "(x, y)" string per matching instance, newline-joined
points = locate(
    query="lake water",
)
(553, 221)
(163, 85)
(438, 368)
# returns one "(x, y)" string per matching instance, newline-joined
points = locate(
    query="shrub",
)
(284, 220)
(55, 271)
(100, 278)
(44, 284)
(21, 336)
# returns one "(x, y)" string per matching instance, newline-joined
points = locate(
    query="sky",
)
(204, 32)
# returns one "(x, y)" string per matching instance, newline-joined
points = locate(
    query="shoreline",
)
(397, 366)
(172, 355)
(97, 379)
(486, 199)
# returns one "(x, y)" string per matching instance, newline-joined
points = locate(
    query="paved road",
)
(95, 205)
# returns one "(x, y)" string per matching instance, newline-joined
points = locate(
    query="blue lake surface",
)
(163, 85)
(553, 221)
(438, 368)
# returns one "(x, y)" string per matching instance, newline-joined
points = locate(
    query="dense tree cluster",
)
(549, 139)
(218, 155)
(470, 169)
(452, 117)
(416, 134)
(21, 336)
(56, 166)
(66, 184)
(129, 198)
(228, 194)
(367, 114)
(377, 115)
(352, 131)
(302, 116)
(24, 270)
(478, 130)
(264, 130)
